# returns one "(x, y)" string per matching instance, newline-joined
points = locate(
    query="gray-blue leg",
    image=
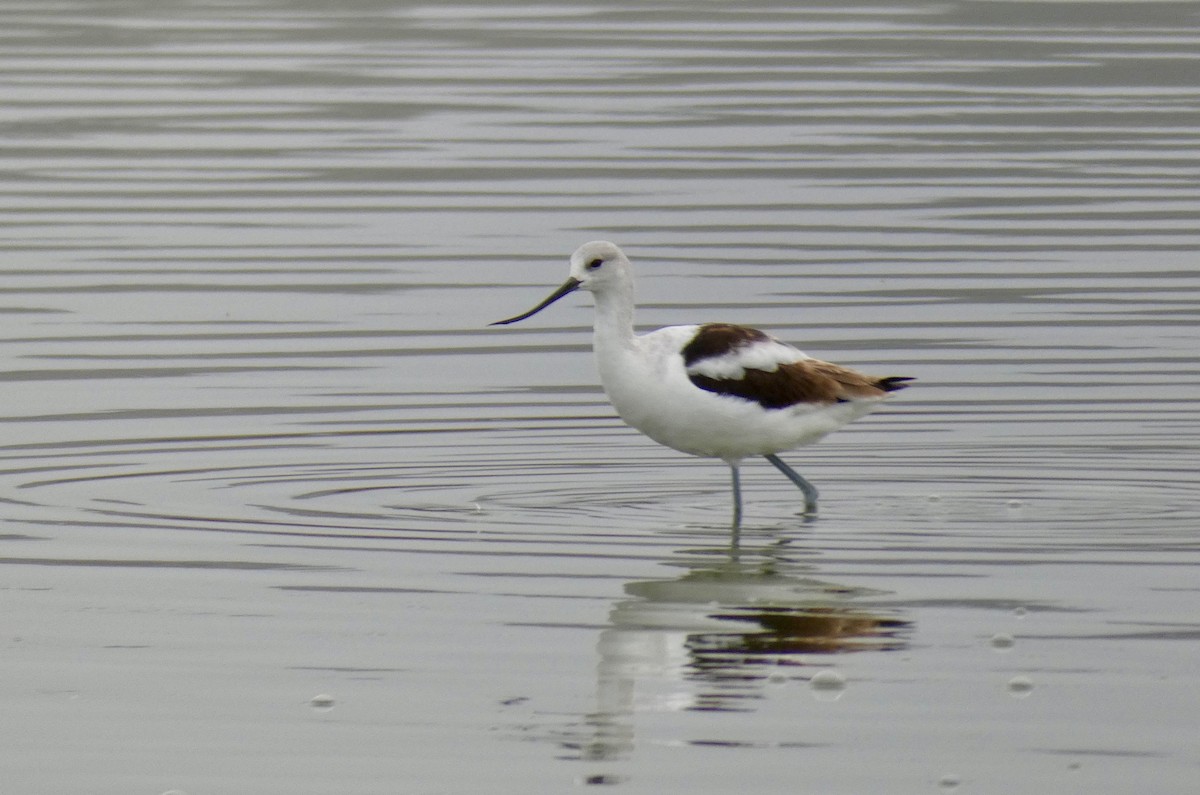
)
(810, 491)
(737, 496)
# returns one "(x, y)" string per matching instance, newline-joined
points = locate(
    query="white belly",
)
(650, 390)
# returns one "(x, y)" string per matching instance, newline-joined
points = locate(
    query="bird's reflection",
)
(737, 618)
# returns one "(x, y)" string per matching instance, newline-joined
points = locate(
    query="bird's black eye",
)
(596, 263)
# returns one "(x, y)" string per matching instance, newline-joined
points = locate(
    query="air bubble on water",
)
(1020, 686)
(321, 703)
(828, 679)
(1020, 612)
(934, 498)
(827, 684)
(1014, 504)
(949, 782)
(1002, 641)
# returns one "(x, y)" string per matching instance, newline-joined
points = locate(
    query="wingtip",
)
(894, 383)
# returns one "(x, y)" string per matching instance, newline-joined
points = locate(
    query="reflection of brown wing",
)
(805, 381)
(808, 631)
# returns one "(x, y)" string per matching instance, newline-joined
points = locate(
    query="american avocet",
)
(714, 390)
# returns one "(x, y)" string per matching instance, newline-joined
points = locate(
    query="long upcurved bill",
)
(568, 287)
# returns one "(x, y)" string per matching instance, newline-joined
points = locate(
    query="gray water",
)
(283, 515)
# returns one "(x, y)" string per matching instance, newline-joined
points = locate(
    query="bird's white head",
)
(598, 267)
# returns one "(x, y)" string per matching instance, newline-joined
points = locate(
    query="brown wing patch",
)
(807, 381)
(717, 339)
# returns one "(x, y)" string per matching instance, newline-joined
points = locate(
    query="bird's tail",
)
(894, 383)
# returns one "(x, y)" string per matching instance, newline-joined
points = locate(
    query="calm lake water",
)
(283, 515)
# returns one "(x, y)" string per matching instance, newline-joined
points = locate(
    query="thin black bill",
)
(568, 287)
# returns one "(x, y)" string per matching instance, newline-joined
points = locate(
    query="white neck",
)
(614, 316)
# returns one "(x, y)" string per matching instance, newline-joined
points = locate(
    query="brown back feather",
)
(806, 381)
(717, 339)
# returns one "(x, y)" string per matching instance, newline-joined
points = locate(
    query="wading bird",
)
(715, 390)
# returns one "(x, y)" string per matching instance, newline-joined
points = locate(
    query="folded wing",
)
(748, 364)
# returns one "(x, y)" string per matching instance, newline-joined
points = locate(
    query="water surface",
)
(260, 448)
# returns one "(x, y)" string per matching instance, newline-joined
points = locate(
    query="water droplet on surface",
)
(174, 792)
(1002, 641)
(828, 679)
(777, 678)
(949, 782)
(1015, 504)
(1020, 612)
(827, 684)
(1020, 686)
(321, 703)
(934, 498)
